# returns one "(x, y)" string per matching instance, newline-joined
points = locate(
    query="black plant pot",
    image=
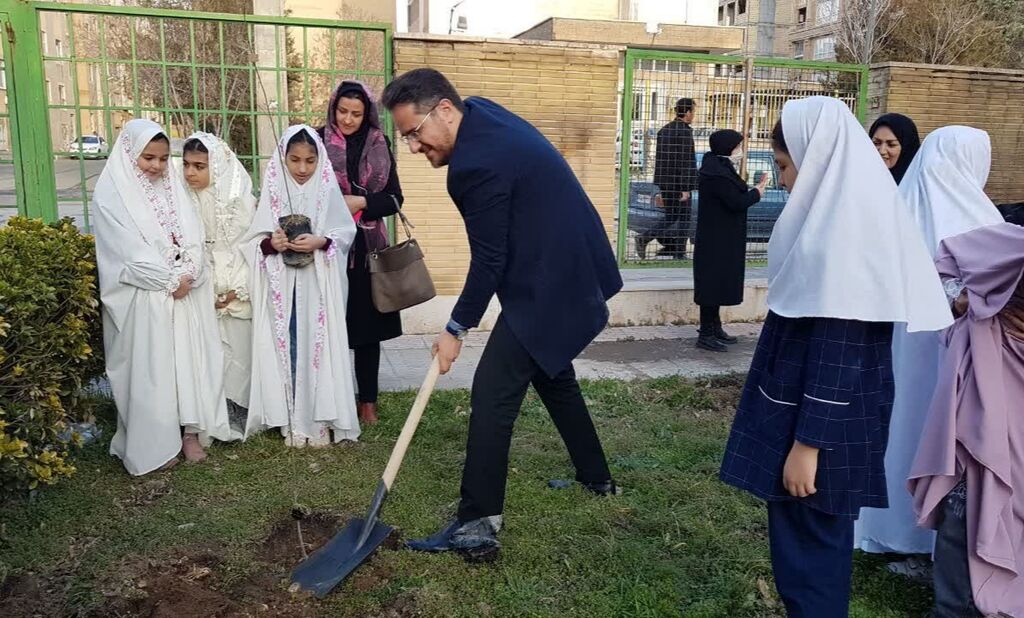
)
(295, 226)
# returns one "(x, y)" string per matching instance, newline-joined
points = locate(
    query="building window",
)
(62, 93)
(721, 16)
(417, 21)
(45, 42)
(825, 48)
(730, 14)
(798, 49)
(59, 46)
(741, 7)
(49, 92)
(828, 12)
(801, 16)
(638, 105)
(3, 75)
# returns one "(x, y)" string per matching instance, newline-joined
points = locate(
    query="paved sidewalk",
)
(620, 353)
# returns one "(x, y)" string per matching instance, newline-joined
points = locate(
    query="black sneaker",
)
(607, 488)
(725, 337)
(711, 344)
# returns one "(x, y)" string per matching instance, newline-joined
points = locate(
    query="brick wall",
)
(567, 91)
(936, 96)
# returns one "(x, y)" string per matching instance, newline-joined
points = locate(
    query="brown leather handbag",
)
(399, 278)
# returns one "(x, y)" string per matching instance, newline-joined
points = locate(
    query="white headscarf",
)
(945, 184)
(230, 183)
(281, 195)
(845, 245)
(157, 212)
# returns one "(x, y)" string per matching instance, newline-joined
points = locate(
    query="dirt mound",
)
(195, 582)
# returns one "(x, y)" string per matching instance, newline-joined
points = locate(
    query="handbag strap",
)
(406, 224)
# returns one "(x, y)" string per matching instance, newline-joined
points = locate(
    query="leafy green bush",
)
(50, 347)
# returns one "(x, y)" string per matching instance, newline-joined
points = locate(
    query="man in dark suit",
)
(538, 243)
(675, 173)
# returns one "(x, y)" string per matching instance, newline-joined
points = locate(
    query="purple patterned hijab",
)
(374, 159)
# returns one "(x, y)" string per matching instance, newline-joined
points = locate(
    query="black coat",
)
(366, 325)
(719, 259)
(535, 238)
(675, 160)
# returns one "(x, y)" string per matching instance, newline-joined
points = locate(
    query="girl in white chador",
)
(301, 372)
(221, 191)
(163, 350)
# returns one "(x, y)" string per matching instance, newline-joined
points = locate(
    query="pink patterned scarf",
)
(374, 161)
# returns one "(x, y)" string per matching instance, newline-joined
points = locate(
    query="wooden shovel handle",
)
(411, 422)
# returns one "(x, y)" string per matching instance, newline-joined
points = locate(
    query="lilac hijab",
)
(975, 425)
(374, 159)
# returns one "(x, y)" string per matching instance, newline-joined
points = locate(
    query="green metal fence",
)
(81, 72)
(728, 92)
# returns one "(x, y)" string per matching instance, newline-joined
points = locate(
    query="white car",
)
(89, 146)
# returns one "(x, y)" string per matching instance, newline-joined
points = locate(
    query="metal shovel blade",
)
(333, 562)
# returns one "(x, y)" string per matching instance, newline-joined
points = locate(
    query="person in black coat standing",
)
(361, 156)
(719, 259)
(675, 173)
(537, 242)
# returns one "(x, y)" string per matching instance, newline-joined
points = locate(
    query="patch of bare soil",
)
(194, 581)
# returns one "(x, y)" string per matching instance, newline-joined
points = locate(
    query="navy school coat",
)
(828, 383)
(535, 238)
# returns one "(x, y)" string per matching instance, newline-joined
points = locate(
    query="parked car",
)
(644, 212)
(89, 146)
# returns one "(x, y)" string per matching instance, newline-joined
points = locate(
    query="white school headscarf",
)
(945, 184)
(845, 245)
(230, 184)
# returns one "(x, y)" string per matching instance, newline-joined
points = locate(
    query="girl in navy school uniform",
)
(845, 263)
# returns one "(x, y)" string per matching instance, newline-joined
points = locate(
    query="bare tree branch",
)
(866, 27)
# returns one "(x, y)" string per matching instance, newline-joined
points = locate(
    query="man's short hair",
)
(684, 106)
(424, 88)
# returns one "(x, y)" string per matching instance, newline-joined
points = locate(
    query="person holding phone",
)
(720, 255)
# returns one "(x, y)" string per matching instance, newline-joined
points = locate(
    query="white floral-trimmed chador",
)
(320, 400)
(226, 207)
(163, 356)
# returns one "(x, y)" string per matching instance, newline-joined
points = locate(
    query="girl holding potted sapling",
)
(298, 249)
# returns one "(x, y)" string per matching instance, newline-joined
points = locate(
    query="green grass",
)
(676, 543)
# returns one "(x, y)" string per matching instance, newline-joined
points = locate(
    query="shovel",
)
(327, 566)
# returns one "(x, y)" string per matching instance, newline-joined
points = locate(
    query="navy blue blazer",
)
(535, 238)
(828, 383)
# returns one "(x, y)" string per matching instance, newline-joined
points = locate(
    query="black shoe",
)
(476, 540)
(711, 344)
(725, 337)
(607, 488)
(437, 542)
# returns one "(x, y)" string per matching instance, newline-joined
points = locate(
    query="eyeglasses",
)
(414, 135)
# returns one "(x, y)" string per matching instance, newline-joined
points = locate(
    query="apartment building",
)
(801, 29)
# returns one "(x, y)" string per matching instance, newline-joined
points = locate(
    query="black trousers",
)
(367, 361)
(674, 231)
(954, 596)
(710, 320)
(502, 377)
(812, 559)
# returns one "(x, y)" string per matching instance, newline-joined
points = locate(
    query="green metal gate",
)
(727, 92)
(74, 74)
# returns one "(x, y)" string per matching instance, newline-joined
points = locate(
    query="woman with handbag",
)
(365, 169)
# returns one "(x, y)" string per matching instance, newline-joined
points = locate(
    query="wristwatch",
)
(456, 330)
